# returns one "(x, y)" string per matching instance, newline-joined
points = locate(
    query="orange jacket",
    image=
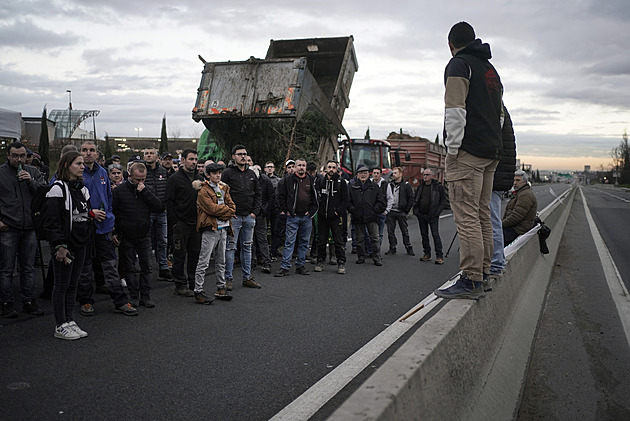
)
(208, 208)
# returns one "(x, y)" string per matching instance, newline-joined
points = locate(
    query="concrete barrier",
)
(468, 361)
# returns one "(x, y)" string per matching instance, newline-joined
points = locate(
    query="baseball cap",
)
(134, 158)
(166, 155)
(289, 162)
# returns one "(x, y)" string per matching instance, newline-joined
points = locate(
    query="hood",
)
(477, 48)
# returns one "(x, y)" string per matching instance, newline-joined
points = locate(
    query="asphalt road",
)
(581, 361)
(244, 359)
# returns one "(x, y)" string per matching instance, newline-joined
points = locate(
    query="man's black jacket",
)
(244, 189)
(181, 198)
(156, 179)
(332, 195)
(287, 198)
(438, 199)
(366, 201)
(132, 209)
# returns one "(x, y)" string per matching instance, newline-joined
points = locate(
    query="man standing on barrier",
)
(473, 118)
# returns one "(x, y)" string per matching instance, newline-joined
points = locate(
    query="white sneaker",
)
(73, 325)
(66, 332)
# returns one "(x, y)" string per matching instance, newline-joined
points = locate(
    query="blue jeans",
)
(434, 224)
(243, 229)
(498, 258)
(21, 244)
(158, 238)
(298, 230)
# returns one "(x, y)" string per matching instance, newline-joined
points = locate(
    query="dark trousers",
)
(186, 244)
(372, 229)
(104, 256)
(138, 282)
(509, 235)
(392, 219)
(433, 223)
(335, 226)
(66, 279)
(278, 232)
(261, 243)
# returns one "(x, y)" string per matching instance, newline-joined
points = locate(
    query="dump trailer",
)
(296, 76)
(419, 153)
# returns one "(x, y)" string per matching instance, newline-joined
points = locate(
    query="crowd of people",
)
(108, 225)
(186, 212)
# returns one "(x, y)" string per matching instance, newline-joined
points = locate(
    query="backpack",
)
(39, 207)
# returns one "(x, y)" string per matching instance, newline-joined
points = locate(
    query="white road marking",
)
(615, 196)
(616, 285)
(309, 402)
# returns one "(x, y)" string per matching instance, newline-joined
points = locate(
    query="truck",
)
(412, 154)
(295, 76)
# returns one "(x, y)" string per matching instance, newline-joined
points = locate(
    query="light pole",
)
(138, 130)
(69, 113)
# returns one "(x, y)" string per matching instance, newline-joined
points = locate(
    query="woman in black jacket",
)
(68, 222)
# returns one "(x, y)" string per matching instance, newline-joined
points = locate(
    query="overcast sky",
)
(565, 65)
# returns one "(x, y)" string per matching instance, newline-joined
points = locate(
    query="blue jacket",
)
(97, 182)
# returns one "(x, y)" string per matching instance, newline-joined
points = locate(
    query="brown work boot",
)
(439, 261)
(425, 258)
(250, 283)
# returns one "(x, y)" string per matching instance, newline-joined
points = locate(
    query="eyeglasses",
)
(426, 175)
(269, 166)
(241, 154)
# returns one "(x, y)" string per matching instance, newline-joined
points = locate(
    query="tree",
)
(621, 159)
(109, 150)
(44, 139)
(367, 133)
(437, 139)
(163, 137)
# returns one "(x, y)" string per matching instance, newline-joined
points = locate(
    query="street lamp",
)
(69, 99)
(138, 130)
(69, 113)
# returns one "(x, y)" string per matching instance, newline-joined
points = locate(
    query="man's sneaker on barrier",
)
(87, 310)
(31, 307)
(250, 283)
(127, 309)
(425, 258)
(74, 326)
(222, 294)
(486, 283)
(66, 332)
(183, 291)
(464, 288)
(341, 268)
(201, 298)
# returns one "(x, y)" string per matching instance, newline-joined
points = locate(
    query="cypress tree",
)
(44, 146)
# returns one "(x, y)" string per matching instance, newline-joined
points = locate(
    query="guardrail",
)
(468, 361)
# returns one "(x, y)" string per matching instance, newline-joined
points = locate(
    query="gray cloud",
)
(26, 34)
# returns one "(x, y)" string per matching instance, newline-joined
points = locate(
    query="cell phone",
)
(68, 259)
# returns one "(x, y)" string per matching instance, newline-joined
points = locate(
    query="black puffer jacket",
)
(333, 196)
(366, 201)
(405, 196)
(504, 174)
(156, 179)
(132, 209)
